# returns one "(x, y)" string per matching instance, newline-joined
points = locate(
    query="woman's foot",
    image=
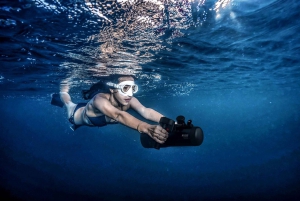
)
(56, 100)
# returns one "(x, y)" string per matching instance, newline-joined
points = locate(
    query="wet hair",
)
(101, 86)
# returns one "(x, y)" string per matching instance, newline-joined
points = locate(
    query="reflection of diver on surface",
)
(180, 134)
(109, 107)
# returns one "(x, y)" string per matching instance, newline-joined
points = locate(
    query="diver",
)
(110, 107)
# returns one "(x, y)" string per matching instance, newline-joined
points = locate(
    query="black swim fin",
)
(55, 100)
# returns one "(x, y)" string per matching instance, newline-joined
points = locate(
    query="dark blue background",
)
(250, 152)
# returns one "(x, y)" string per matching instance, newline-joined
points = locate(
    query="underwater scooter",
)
(180, 134)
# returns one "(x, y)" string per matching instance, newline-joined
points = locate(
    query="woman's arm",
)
(147, 113)
(154, 131)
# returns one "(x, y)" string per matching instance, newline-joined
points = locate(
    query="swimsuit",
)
(95, 121)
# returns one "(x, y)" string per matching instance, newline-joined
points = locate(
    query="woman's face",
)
(122, 98)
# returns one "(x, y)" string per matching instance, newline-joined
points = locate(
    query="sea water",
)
(231, 66)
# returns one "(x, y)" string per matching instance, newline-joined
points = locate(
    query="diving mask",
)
(126, 88)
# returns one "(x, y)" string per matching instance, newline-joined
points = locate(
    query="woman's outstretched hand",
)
(157, 133)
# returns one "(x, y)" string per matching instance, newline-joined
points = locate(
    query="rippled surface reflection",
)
(122, 35)
(175, 45)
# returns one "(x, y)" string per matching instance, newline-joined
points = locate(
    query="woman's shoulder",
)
(102, 96)
(99, 99)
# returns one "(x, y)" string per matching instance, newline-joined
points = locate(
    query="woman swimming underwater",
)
(111, 107)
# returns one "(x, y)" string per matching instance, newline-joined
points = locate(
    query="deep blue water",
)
(233, 67)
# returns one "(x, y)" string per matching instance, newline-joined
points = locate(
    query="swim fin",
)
(55, 100)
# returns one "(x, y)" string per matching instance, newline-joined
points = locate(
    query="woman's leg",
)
(66, 99)
(77, 118)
